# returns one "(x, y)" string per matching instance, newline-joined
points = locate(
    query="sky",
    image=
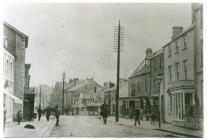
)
(78, 38)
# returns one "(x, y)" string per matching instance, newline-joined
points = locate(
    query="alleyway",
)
(92, 126)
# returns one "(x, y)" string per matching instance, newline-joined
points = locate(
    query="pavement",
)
(164, 127)
(92, 126)
(42, 129)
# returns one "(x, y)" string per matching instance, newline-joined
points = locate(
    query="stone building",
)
(29, 96)
(139, 86)
(78, 95)
(16, 43)
(179, 75)
(156, 73)
(197, 20)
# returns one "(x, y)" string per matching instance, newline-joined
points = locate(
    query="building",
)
(44, 96)
(179, 75)
(29, 96)
(80, 93)
(139, 87)
(15, 44)
(197, 20)
(110, 97)
(156, 81)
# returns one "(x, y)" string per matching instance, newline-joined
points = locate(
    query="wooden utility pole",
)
(118, 47)
(63, 92)
(40, 95)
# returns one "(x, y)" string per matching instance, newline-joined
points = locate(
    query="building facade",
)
(156, 73)
(79, 96)
(16, 43)
(197, 20)
(179, 75)
(29, 96)
(140, 87)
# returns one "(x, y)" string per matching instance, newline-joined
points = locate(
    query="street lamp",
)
(158, 80)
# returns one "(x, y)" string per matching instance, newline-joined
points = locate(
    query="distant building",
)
(44, 96)
(80, 93)
(15, 42)
(110, 97)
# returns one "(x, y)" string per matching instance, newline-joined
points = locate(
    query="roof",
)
(82, 83)
(181, 34)
(19, 32)
(157, 53)
(141, 69)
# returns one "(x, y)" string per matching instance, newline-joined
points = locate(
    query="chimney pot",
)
(176, 31)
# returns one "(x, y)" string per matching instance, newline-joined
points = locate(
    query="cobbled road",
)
(92, 126)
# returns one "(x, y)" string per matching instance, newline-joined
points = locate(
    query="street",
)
(92, 126)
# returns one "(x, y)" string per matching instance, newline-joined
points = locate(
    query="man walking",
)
(137, 117)
(57, 115)
(48, 112)
(39, 111)
(19, 117)
(104, 112)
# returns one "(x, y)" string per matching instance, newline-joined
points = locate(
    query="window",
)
(169, 50)
(176, 47)
(177, 70)
(201, 51)
(94, 89)
(170, 73)
(170, 102)
(161, 62)
(133, 90)
(184, 43)
(145, 84)
(155, 65)
(185, 69)
(138, 88)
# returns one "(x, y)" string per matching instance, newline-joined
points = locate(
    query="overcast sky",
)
(78, 38)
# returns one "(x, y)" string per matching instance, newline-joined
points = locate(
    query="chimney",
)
(176, 31)
(111, 84)
(148, 53)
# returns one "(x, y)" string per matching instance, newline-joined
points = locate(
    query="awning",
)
(16, 99)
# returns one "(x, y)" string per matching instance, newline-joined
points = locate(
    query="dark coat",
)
(104, 111)
(39, 111)
(137, 113)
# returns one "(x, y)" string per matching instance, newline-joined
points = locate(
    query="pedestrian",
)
(19, 117)
(104, 112)
(137, 117)
(5, 112)
(57, 115)
(39, 111)
(48, 112)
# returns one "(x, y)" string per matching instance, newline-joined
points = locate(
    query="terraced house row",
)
(175, 72)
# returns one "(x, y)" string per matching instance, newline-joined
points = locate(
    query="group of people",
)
(48, 113)
(39, 112)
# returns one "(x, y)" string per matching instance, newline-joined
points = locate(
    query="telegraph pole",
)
(63, 92)
(118, 47)
(40, 95)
